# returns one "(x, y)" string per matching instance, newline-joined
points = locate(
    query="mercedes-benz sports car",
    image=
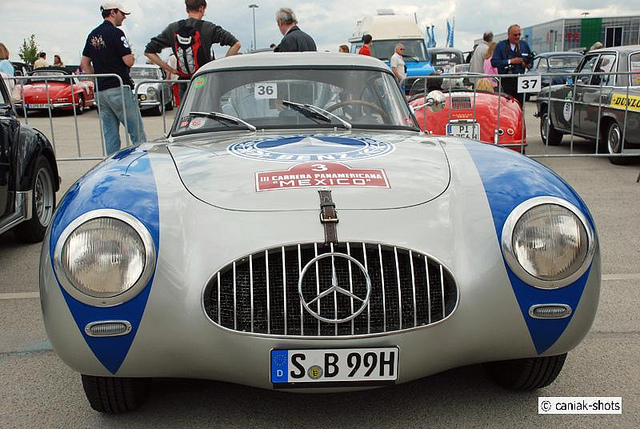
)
(54, 88)
(297, 231)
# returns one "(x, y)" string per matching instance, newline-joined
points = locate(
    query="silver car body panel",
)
(176, 339)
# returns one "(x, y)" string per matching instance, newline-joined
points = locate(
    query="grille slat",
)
(408, 290)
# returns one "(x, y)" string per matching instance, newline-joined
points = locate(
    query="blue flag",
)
(432, 38)
(449, 34)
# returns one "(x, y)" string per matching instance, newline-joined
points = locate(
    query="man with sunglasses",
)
(107, 51)
(512, 57)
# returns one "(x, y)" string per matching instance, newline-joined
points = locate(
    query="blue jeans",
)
(110, 106)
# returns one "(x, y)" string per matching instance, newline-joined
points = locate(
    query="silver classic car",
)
(297, 231)
(155, 97)
(602, 103)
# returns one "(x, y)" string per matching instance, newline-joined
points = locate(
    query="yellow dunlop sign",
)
(620, 101)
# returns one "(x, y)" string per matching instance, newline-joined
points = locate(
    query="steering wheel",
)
(385, 116)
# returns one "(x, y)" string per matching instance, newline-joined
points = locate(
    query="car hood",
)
(267, 172)
(143, 87)
(417, 69)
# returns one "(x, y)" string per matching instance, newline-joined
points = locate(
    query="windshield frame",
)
(183, 112)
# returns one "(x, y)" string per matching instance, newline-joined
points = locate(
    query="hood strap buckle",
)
(328, 216)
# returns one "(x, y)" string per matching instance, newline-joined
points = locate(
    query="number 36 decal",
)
(265, 90)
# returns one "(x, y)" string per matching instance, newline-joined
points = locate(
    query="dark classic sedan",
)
(602, 103)
(550, 64)
(28, 176)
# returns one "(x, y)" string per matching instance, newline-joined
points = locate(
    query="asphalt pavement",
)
(38, 390)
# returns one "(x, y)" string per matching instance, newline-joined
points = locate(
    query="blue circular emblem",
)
(310, 148)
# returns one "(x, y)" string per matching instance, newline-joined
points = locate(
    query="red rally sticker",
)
(320, 175)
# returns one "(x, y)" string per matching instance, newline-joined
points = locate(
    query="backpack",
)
(188, 48)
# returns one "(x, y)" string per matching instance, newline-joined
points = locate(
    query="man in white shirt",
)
(397, 63)
(41, 61)
(477, 60)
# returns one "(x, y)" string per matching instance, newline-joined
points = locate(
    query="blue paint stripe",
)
(510, 179)
(123, 182)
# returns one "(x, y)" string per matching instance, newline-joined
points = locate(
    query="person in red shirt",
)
(365, 49)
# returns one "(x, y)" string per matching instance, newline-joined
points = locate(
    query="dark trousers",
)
(510, 86)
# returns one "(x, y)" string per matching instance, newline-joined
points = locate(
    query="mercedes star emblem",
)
(361, 303)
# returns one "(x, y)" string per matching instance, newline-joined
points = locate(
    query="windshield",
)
(50, 76)
(414, 49)
(291, 99)
(145, 73)
(564, 62)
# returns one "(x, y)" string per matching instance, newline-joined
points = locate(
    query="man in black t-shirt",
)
(107, 51)
(208, 34)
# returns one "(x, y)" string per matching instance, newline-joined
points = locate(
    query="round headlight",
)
(151, 92)
(105, 257)
(547, 242)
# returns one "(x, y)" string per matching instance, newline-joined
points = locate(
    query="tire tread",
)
(115, 395)
(526, 374)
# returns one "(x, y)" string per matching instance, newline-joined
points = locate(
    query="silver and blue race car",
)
(296, 231)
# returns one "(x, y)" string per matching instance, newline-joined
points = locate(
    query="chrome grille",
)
(460, 103)
(259, 293)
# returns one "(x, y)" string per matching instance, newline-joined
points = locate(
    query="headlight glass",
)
(103, 257)
(151, 92)
(547, 245)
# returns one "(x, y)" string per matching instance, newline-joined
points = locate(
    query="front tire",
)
(549, 134)
(80, 106)
(526, 374)
(115, 395)
(158, 111)
(43, 203)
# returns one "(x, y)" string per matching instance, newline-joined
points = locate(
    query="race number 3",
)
(265, 90)
(529, 84)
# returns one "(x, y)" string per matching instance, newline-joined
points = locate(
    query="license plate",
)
(468, 131)
(295, 368)
(37, 106)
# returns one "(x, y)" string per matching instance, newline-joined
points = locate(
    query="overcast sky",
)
(61, 27)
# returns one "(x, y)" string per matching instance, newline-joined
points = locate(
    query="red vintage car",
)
(479, 115)
(55, 88)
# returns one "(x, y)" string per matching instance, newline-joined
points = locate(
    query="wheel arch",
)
(34, 144)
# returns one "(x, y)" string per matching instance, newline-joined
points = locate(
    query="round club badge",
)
(196, 123)
(199, 82)
(310, 148)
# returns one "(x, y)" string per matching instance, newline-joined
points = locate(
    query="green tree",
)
(29, 50)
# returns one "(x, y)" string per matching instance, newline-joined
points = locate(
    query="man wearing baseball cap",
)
(107, 51)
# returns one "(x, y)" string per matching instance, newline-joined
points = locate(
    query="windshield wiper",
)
(221, 117)
(315, 112)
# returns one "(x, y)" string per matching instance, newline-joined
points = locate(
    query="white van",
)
(388, 29)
